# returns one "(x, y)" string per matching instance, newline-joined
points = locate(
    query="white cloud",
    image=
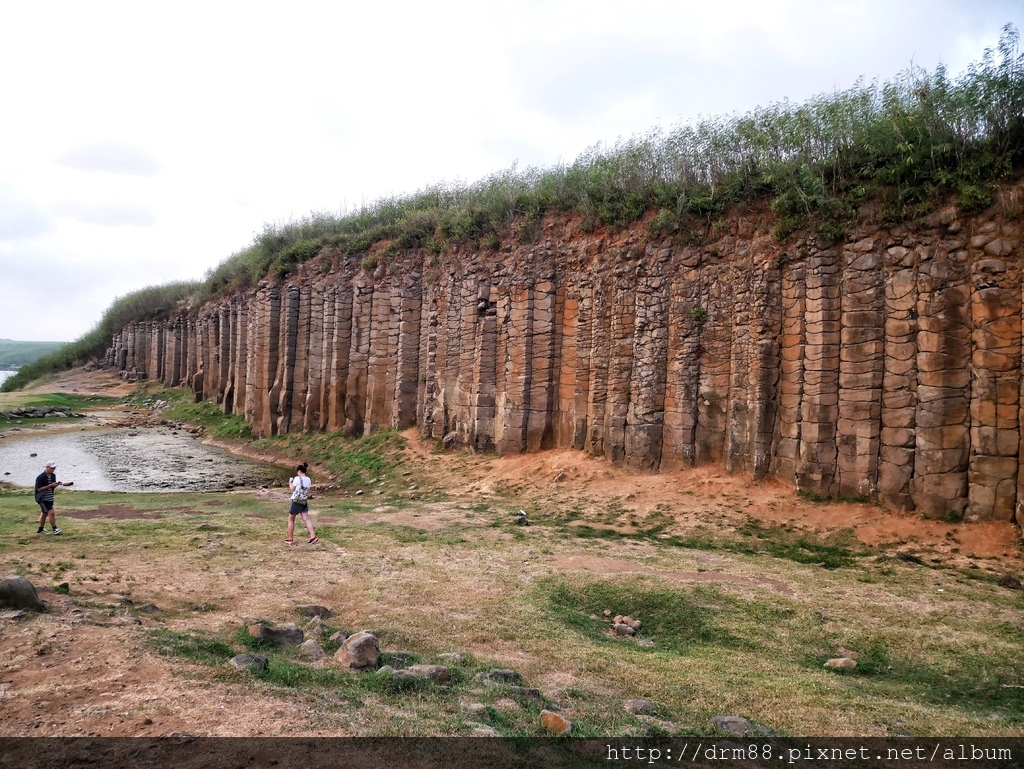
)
(109, 157)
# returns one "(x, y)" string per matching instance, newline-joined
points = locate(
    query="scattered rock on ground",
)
(359, 651)
(501, 676)
(311, 649)
(474, 709)
(453, 658)
(733, 724)
(482, 730)
(282, 635)
(432, 672)
(555, 723)
(903, 555)
(623, 630)
(250, 662)
(1010, 581)
(19, 593)
(841, 663)
(645, 707)
(313, 610)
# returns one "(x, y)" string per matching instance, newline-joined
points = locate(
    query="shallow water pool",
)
(136, 459)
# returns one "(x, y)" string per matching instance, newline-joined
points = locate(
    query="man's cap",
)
(52, 464)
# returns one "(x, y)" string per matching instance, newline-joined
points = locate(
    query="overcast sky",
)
(142, 143)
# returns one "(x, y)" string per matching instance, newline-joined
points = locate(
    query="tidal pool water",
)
(136, 459)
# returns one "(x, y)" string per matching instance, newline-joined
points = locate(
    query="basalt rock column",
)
(483, 391)
(359, 355)
(861, 370)
(944, 382)
(995, 389)
(716, 368)
(685, 319)
(899, 381)
(765, 363)
(620, 363)
(341, 347)
(819, 406)
(644, 434)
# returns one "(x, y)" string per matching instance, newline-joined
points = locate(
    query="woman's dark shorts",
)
(298, 509)
(46, 506)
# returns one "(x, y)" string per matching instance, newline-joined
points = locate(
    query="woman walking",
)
(299, 486)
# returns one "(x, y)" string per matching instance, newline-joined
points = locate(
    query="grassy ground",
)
(940, 650)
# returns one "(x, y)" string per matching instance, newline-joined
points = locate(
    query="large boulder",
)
(18, 593)
(360, 651)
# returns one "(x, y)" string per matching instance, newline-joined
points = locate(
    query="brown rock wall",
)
(888, 364)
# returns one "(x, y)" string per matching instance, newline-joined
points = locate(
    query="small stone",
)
(645, 707)
(1010, 581)
(474, 709)
(250, 662)
(454, 658)
(501, 676)
(312, 650)
(314, 610)
(841, 663)
(733, 724)
(482, 730)
(623, 630)
(526, 693)
(338, 637)
(555, 723)
(432, 672)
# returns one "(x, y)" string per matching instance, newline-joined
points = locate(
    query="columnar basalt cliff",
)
(887, 364)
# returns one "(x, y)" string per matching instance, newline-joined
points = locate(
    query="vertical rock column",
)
(995, 391)
(514, 413)
(580, 301)
(542, 365)
(484, 384)
(646, 415)
(620, 364)
(359, 356)
(407, 359)
(939, 487)
(899, 381)
(461, 385)
(268, 341)
(315, 361)
(300, 372)
(380, 385)
(341, 347)
(599, 354)
(427, 400)
(738, 432)
(685, 320)
(240, 348)
(765, 330)
(716, 311)
(819, 406)
(861, 369)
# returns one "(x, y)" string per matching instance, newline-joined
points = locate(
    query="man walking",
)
(46, 482)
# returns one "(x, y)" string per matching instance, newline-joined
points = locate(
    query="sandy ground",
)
(78, 669)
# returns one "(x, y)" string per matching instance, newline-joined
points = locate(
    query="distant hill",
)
(13, 354)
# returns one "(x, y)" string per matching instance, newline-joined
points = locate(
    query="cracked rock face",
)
(887, 364)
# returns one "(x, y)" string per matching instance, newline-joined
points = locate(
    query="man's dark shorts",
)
(46, 506)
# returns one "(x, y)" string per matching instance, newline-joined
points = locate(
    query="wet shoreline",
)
(147, 459)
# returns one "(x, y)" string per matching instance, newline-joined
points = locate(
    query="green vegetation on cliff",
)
(906, 145)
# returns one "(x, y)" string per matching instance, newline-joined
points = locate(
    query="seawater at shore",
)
(142, 459)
